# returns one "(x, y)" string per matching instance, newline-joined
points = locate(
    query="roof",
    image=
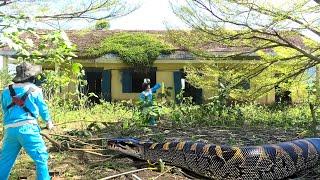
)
(85, 39)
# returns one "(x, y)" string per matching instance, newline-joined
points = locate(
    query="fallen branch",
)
(125, 173)
(80, 149)
(88, 144)
(74, 139)
(57, 144)
(88, 151)
(84, 121)
(61, 135)
(54, 142)
(97, 139)
(135, 177)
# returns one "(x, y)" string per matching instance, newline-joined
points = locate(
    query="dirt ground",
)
(77, 164)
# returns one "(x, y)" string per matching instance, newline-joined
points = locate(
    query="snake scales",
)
(270, 161)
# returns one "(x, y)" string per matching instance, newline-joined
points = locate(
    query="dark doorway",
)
(139, 75)
(93, 89)
(191, 91)
(282, 96)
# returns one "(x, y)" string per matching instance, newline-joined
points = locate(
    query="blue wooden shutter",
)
(198, 99)
(126, 81)
(106, 85)
(177, 75)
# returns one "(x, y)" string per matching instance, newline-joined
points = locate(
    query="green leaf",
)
(76, 68)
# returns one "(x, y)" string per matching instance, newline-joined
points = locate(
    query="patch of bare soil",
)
(84, 161)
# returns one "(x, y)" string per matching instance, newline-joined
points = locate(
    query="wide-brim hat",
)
(25, 71)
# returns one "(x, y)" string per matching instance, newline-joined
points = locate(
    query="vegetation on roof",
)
(134, 49)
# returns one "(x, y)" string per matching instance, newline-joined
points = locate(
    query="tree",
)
(273, 32)
(18, 18)
(282, 36)
(22, 15)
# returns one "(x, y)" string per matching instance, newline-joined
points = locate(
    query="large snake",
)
(270, 161)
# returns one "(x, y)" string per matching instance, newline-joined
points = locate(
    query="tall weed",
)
(297, 116)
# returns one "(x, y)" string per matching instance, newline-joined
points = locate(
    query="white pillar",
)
(6, 63)
(1, 62)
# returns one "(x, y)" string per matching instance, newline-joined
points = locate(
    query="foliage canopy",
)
(52, 48)
(275, 32)
(102, 24)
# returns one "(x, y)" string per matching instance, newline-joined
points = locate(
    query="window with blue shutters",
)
(106, 85)
(126, 81)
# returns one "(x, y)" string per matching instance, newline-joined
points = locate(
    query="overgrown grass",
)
(70, 116)
(104, 112)
(260, 116)
(296, 116)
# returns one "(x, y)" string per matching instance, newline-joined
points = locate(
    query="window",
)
(244, 84)
(282, 96)
(132, 79)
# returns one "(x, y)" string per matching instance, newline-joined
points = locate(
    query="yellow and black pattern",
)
(250, 162)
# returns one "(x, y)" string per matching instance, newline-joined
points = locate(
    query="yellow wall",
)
(116, 84)
(167, 78)
(116, 87)
(165, 69)
(267, 99)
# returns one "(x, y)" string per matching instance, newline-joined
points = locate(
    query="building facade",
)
(112, 80)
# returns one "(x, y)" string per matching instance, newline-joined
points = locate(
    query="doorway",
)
(93, 89)
(189, 91)
(282, 97)
(195, 93)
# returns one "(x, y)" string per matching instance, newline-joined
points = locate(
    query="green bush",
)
(68, 111)
(218, 114)
(5, 78)
(135, 49)
(185, 113)
(102, 24)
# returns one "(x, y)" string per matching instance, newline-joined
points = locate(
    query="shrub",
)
(102, 24)
(135, 49)
(297, 116)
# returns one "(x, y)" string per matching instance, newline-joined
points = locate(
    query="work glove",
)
(50, 125)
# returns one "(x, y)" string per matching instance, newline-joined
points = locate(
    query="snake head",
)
(129, 146)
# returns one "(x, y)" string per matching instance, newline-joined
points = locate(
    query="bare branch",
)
(261, 89)
(242, 28)
(89, 12)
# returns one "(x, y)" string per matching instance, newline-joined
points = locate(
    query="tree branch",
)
(117, 11)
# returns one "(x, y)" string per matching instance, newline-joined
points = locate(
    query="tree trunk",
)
(314, 121)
